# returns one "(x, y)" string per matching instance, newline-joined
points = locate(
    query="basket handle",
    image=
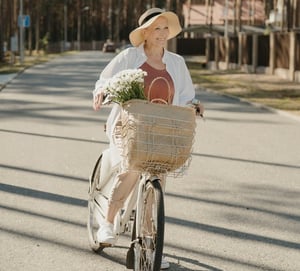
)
(159, 99)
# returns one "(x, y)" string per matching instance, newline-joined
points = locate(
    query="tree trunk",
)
(37, 26)
(282, 15)
(212, 2)
(239, 15)
(15, 19)
(253, 11)
(110, 34)
(207, 11)
(295, 8)
(1, 33)
(234, 17)
(117, 24)
(78, 24)
(29, 38)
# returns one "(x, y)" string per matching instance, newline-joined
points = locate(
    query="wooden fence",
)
(276, 53)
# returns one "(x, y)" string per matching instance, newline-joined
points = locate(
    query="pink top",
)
(161, 83)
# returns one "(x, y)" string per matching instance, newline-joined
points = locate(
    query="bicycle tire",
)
(95, 177)
(148, 247)
(92, 224)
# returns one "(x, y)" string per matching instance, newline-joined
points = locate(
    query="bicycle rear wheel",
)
(95, 212)
(149, 229)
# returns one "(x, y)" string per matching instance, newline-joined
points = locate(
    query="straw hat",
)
(147, 18)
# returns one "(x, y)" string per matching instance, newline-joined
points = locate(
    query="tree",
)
(103, 19)
(1, 32)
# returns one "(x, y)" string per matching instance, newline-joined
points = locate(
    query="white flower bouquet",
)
(125, 85)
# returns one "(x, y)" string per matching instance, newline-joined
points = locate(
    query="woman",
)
(148, 53)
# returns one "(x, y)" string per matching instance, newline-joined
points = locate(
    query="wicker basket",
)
(156, 138)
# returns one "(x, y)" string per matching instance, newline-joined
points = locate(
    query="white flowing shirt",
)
(133, 58)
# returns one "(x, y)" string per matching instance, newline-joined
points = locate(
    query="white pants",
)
(122, 183)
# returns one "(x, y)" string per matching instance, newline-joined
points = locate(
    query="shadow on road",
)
(233, 233)
(52, 174)
(53, 136)
(42, 195)
(178, 267)
(246, 160)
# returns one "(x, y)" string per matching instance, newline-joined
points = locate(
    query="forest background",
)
(53, 21)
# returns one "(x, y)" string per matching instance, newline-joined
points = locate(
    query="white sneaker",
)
(164, 264)
(105, 234)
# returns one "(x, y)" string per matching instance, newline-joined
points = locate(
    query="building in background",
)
(209, 16)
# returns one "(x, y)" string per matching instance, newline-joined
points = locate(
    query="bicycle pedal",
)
(106, 245)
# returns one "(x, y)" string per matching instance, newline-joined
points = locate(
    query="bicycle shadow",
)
(198, 266)
(120, 259)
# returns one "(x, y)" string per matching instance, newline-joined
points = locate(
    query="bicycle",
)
(143, 212)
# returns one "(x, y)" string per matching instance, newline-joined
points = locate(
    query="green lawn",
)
(260, 88)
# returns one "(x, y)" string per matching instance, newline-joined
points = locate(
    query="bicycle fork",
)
(139, 218)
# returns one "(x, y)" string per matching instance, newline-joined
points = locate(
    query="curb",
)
(2, 86)
(258, 105)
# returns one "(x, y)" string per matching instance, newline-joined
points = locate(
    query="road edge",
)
(258, 105)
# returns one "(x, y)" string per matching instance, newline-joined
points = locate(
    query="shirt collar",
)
(164, 58)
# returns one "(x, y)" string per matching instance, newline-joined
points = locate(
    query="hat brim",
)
(136, 36)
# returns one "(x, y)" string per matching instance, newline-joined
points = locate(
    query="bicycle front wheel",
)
(149, 229)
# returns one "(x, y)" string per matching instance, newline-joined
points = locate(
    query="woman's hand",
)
(97, 101)
(199, 109)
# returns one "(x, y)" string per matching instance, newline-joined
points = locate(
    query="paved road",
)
(237, 209)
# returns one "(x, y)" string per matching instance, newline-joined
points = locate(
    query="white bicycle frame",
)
(131, 206)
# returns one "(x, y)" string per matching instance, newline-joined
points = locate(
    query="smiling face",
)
(157, 33)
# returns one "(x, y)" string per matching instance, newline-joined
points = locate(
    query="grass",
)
(34, 59)
(264, 89)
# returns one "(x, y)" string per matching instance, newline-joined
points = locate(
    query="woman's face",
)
(158, 32)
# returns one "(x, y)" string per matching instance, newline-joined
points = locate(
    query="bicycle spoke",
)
(148, 252)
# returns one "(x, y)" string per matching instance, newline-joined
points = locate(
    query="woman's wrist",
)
(195, 101)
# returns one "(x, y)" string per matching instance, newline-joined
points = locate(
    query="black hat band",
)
(149, 17)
